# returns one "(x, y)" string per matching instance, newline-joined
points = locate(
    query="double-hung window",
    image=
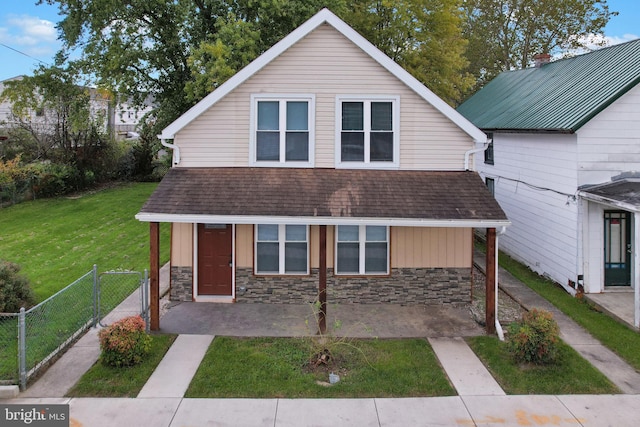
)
(367, 131)
(362, 249)
(282, 249)
(282, 131)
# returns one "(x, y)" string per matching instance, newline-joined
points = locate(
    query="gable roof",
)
(323, 196)
(561, 96)
(322, 17)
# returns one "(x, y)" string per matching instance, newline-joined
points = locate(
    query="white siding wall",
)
(610, 143)
(544, 230)
(326, 64)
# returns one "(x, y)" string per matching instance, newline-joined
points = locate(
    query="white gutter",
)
(499, 330)
(175, 150)
(318, 220)
(467, 155)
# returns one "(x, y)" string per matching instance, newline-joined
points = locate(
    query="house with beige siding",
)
(322, 171)
(564, 163)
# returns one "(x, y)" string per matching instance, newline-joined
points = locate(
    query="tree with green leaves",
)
(177, 51)
(423, 36)
(507, 34)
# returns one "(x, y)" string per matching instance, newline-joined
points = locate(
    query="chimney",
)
(541, 59)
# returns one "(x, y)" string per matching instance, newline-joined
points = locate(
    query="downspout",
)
(499, 331)
(467, 155)
(175, 150)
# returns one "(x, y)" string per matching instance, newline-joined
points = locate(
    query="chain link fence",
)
(29, 340)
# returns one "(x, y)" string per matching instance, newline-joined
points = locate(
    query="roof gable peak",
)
(324, 16)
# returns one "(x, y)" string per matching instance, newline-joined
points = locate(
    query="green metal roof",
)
(559, 96)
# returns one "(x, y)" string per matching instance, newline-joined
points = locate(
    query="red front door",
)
(214, 259)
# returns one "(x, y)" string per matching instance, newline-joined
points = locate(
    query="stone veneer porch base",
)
(404, 286)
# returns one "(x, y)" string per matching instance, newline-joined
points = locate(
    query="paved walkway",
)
(610, 364)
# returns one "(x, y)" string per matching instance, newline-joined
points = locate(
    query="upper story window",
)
(282, 249)
(367, 131)
(282, 131)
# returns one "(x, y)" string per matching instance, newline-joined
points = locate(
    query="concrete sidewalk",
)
(610, 364)
(500, 411)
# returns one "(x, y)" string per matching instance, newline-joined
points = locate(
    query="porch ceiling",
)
(323, 196)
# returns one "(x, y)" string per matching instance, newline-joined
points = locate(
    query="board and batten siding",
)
(325, 64)
(181, 244)
(609, 144)
(534, 174)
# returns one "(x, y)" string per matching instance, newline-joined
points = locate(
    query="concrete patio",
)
(616, 303)
(355, 320)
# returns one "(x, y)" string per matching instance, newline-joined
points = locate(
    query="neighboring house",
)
(563, 163)
(122, 119)
(321, 164)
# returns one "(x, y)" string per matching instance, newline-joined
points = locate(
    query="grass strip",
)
(571, 375)
(107, 381)
(278, 367)
(614, 335)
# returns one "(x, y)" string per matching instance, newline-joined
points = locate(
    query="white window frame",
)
(362, 240)
(282, 236)
(282, 99)
(367, 163)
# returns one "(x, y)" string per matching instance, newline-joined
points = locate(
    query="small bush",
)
(535, 338)
(15, 291)
(125, 342)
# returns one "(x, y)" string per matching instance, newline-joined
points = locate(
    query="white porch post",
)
(636, 268)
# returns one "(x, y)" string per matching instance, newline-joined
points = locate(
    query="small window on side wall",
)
(491, 185)
(488, 153)
(282, 132)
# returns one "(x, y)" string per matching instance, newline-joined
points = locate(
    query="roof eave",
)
(319, 220)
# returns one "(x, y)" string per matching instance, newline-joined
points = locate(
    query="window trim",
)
(253, 124)
(362, 241)
(395, 117)
(282, 229)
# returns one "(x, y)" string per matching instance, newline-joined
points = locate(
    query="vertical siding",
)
(244, 246)
(418, 247)
(610, 143)
(181, 245)
(326, 64)
(544, 230)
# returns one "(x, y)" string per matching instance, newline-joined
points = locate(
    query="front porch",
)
(296, 320)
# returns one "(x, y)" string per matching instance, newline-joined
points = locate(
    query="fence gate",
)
(118, 289)
(51, 326)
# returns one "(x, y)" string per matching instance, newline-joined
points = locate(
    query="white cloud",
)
(29, 34)
(33, 28)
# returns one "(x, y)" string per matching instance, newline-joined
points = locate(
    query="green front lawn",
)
(56, 241)
(571, 375)
(106, 381)
(278, 367)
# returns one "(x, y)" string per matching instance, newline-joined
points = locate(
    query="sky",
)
(28, 34)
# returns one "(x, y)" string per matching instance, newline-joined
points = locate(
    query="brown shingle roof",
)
(324, 193)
